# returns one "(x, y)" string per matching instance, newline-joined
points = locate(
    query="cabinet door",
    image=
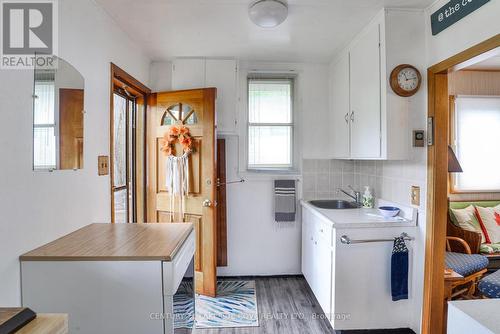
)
(365, 95)
(222, 75)
(188, 74)
(307, 249)
(340, 108)
(323, 274)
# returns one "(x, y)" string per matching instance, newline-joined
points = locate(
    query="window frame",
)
(272, 167)
(453, 141)
(51, 82)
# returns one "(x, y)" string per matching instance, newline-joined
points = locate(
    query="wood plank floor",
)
(278, 299)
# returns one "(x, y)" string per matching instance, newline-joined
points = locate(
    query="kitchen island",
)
(110, 278)
(348, 272)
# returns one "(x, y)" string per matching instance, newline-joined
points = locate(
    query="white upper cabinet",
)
(222, 74)
(365, 95)
(191, 73)
(188, 73)
(377, 125)
(340, 107)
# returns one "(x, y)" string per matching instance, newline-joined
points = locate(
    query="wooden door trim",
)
(118, 75)
(433, 317)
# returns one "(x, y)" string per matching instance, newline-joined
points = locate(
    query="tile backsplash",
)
(390, 180)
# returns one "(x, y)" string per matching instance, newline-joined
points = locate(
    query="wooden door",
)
(70, 128)
(196, 110)
(365, 91)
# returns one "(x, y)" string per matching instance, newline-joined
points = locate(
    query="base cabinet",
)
(352, 283)
(317, 258)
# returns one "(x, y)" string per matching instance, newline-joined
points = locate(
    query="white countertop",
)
(483, 312)
(363, 218)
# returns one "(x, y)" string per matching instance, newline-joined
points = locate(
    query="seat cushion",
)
(490, 285)
(465, 264)
(490, 248)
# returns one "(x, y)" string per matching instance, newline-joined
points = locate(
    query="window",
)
(44, 122)
(477, 136)
(270, 123)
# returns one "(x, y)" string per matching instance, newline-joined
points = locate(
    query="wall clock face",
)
(405, 80)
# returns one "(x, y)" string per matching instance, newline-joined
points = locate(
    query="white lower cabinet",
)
(317, 258)
(352, 283)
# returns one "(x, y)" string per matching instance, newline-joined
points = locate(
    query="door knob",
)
(207, 203)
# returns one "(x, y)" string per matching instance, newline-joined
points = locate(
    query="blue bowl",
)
(389, 211)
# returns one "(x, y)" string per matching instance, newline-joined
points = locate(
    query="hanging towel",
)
(284, 200)
(399, 270)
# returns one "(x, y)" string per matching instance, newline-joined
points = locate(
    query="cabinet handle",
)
(315, 242)
(346, 117)
(321, 230)
(352, 116)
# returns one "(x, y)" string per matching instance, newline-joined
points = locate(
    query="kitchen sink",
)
(334, 204)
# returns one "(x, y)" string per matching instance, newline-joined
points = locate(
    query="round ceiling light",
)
(268, 13)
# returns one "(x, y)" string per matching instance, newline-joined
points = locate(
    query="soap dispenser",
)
(368, 200)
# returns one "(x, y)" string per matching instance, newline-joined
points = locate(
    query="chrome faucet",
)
(356, 196)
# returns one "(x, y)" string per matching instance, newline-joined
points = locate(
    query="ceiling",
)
(490, 64)
(313, 31)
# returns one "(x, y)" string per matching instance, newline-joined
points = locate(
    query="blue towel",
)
(399, 270)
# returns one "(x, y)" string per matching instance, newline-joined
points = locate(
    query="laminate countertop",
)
(364, 218)
(115, 242)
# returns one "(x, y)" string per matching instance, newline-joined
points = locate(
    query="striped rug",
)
(234, 306)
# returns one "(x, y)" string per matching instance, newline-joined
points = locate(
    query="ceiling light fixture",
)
(268, 13)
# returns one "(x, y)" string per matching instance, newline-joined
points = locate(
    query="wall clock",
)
(405, 80)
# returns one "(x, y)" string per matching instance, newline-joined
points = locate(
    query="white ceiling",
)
(492, 63)
(313, 31)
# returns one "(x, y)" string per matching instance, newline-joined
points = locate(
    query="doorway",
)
(127, 147)
(434, 304)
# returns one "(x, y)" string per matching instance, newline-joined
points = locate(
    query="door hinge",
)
(430, 131)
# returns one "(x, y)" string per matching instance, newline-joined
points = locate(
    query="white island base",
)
(120, 281)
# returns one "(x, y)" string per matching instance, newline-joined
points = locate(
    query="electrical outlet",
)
(415, 195)
(103, 165)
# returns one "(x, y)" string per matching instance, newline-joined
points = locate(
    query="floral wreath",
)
(176, 133)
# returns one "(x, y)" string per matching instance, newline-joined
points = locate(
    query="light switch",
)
(103, 165)
(415, 195)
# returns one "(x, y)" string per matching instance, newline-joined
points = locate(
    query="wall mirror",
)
(58, 117)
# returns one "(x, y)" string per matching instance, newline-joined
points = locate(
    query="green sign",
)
(452, 12)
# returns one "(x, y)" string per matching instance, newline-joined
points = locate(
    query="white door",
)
(188, 73)
(221, 73)
(365, 91)
(340, 107)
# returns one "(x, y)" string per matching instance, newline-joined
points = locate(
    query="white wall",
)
(38, 207)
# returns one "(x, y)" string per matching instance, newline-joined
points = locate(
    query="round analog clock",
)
(405, 80)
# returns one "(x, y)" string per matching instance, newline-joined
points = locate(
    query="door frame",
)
(138, 89)
(433, 317)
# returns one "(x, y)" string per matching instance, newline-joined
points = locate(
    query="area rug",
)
(234, 306)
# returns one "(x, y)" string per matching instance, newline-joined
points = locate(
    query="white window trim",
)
(272, 169)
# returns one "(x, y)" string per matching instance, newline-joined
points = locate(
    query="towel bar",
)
(346, 240)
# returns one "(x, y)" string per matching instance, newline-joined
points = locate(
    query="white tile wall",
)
(390, 180)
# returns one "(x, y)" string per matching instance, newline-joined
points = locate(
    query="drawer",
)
(174, 271)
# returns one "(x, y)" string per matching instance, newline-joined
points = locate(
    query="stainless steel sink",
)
(334, 204)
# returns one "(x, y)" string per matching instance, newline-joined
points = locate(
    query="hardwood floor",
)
(279, 299)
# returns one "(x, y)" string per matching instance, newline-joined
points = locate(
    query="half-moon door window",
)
(179, 114)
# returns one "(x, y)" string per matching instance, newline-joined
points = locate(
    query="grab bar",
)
(346, 240)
